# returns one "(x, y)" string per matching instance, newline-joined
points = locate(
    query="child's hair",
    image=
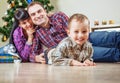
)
(78, 17)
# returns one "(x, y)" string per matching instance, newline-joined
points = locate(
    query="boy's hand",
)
(90, 63)
(77, 63)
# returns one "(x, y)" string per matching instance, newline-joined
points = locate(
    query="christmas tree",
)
(9, 15)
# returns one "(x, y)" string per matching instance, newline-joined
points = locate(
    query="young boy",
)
(75, 50)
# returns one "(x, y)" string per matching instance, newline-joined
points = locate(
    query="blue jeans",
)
(106, 46)
(102, 54)
(105, 39)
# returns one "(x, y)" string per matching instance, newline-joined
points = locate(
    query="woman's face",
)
(26, 24)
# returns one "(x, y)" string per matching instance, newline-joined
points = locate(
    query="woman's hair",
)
(78, 17)
(20, 15)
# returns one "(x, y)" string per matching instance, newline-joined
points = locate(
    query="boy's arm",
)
(61, 55)
(89, 59)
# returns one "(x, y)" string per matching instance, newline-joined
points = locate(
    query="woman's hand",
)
(30, 32)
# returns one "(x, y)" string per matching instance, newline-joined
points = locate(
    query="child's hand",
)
(90, 63)
(77, 63)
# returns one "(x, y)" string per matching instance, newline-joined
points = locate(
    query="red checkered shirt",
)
(50, 37)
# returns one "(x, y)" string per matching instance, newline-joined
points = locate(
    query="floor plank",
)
(39, 73)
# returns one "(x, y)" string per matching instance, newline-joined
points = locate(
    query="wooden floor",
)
(38, 73)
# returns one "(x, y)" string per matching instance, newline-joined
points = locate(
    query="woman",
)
(22, 34)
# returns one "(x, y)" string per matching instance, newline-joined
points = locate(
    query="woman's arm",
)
(22, 46)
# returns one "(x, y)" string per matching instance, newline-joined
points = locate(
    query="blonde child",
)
(74, 50)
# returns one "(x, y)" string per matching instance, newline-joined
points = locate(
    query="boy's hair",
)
(33, 3)
(78, 17)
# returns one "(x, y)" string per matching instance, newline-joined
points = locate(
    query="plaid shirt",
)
(21, 45)
(50, 37)
(67, 50)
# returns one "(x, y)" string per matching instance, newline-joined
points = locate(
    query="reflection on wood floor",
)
(39, 73)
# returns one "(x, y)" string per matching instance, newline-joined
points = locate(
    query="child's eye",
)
(76, 31)
(84, 31)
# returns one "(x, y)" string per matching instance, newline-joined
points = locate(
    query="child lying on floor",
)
(75, 50)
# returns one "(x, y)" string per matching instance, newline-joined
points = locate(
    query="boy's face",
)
(38, 15)
(79, 32)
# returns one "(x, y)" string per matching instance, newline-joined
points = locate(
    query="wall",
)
(94, 9)
(3, 8)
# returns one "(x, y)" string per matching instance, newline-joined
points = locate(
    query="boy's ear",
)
(68, 32)
(89, 28)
